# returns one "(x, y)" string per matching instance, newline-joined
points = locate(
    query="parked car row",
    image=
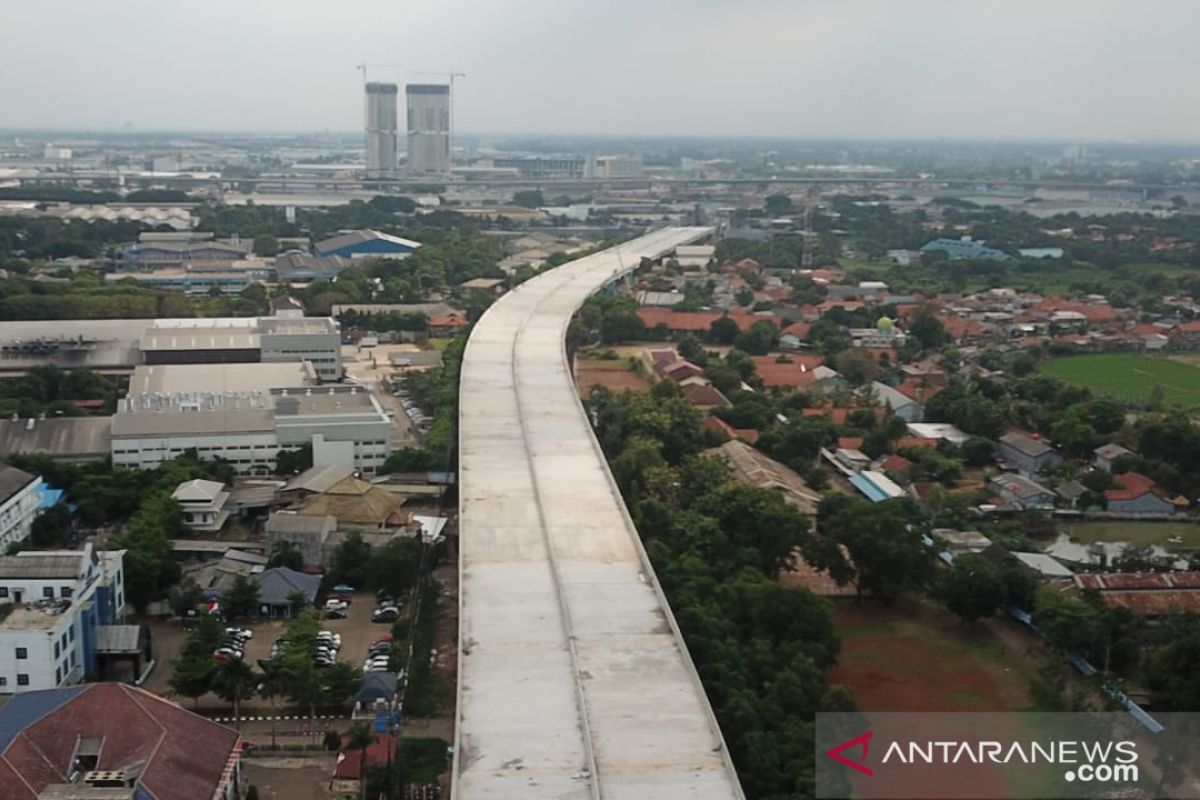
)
(325, 651)
(386, 607)
(233, 644)
(379, 655)
(412, 409)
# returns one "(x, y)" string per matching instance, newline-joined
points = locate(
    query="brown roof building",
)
(148, 746)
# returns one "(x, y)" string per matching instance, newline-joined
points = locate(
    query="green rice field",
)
(1130, 376)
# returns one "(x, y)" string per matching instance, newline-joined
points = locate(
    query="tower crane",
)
(362, 68)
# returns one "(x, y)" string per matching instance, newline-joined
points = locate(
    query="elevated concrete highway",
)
(573, 678)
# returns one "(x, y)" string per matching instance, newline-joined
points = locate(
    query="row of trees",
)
(436, 392)
(717, 546)
(292, 674)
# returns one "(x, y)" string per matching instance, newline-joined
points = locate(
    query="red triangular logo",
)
(858, 741)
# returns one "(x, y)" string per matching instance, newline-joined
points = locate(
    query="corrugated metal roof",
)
(13, 480)
(32, 565)
(276, 585)
(119, 638)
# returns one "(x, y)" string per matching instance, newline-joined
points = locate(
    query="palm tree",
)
(235, 681)
(361, 737)
(274, 683)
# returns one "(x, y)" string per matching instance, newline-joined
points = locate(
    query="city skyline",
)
(1066, 71)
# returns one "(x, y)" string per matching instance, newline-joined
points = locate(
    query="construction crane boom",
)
(362, 68)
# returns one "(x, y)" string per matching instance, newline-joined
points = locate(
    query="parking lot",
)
(357, 632)
(370, 368)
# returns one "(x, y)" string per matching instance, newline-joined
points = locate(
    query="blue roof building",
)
(366, 244)
(965, 248)
(876, 486)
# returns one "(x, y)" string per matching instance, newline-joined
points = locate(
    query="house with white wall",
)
(53, 604)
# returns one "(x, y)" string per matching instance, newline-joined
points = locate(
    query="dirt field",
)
(291, 778)
(913, 656)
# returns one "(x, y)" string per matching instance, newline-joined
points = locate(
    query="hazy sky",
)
(1074, 69)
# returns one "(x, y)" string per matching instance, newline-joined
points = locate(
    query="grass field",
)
(1129, 376)
(1135, 532)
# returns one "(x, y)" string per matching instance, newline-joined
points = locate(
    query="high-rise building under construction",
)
(381, 130)
(428, 128)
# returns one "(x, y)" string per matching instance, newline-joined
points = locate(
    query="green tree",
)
(529, 198)
(885, 548)
(340, 682)
(759, 340)
(927, 329)
(305, 686)
(265, 245)
(273, 683)
(723, 331)
(778, 205)
(1172, 673)
(241, 599)
(979, 452)
(192, 672)
(234, 681)
(972, 587)
(396, 565)
(294, 461)
(191, 676)
(1067, 622)
(857, 366)
(350, 561)
(50, 528)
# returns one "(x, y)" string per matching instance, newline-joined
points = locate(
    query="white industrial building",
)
(119, 345)
(53, 606)
(246, 414)
(20, 499)
(381, 130)
(428, 128)
(614, 167)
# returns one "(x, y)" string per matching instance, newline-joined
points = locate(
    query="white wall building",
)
(204, 504)
(20, 499)
(428, 127)
(249, 426)
(52, 605)
(381, 130)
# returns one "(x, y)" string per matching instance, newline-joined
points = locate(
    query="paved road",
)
(361, 369)
(573, 679)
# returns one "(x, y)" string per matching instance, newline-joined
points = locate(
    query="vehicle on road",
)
(336, 604)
